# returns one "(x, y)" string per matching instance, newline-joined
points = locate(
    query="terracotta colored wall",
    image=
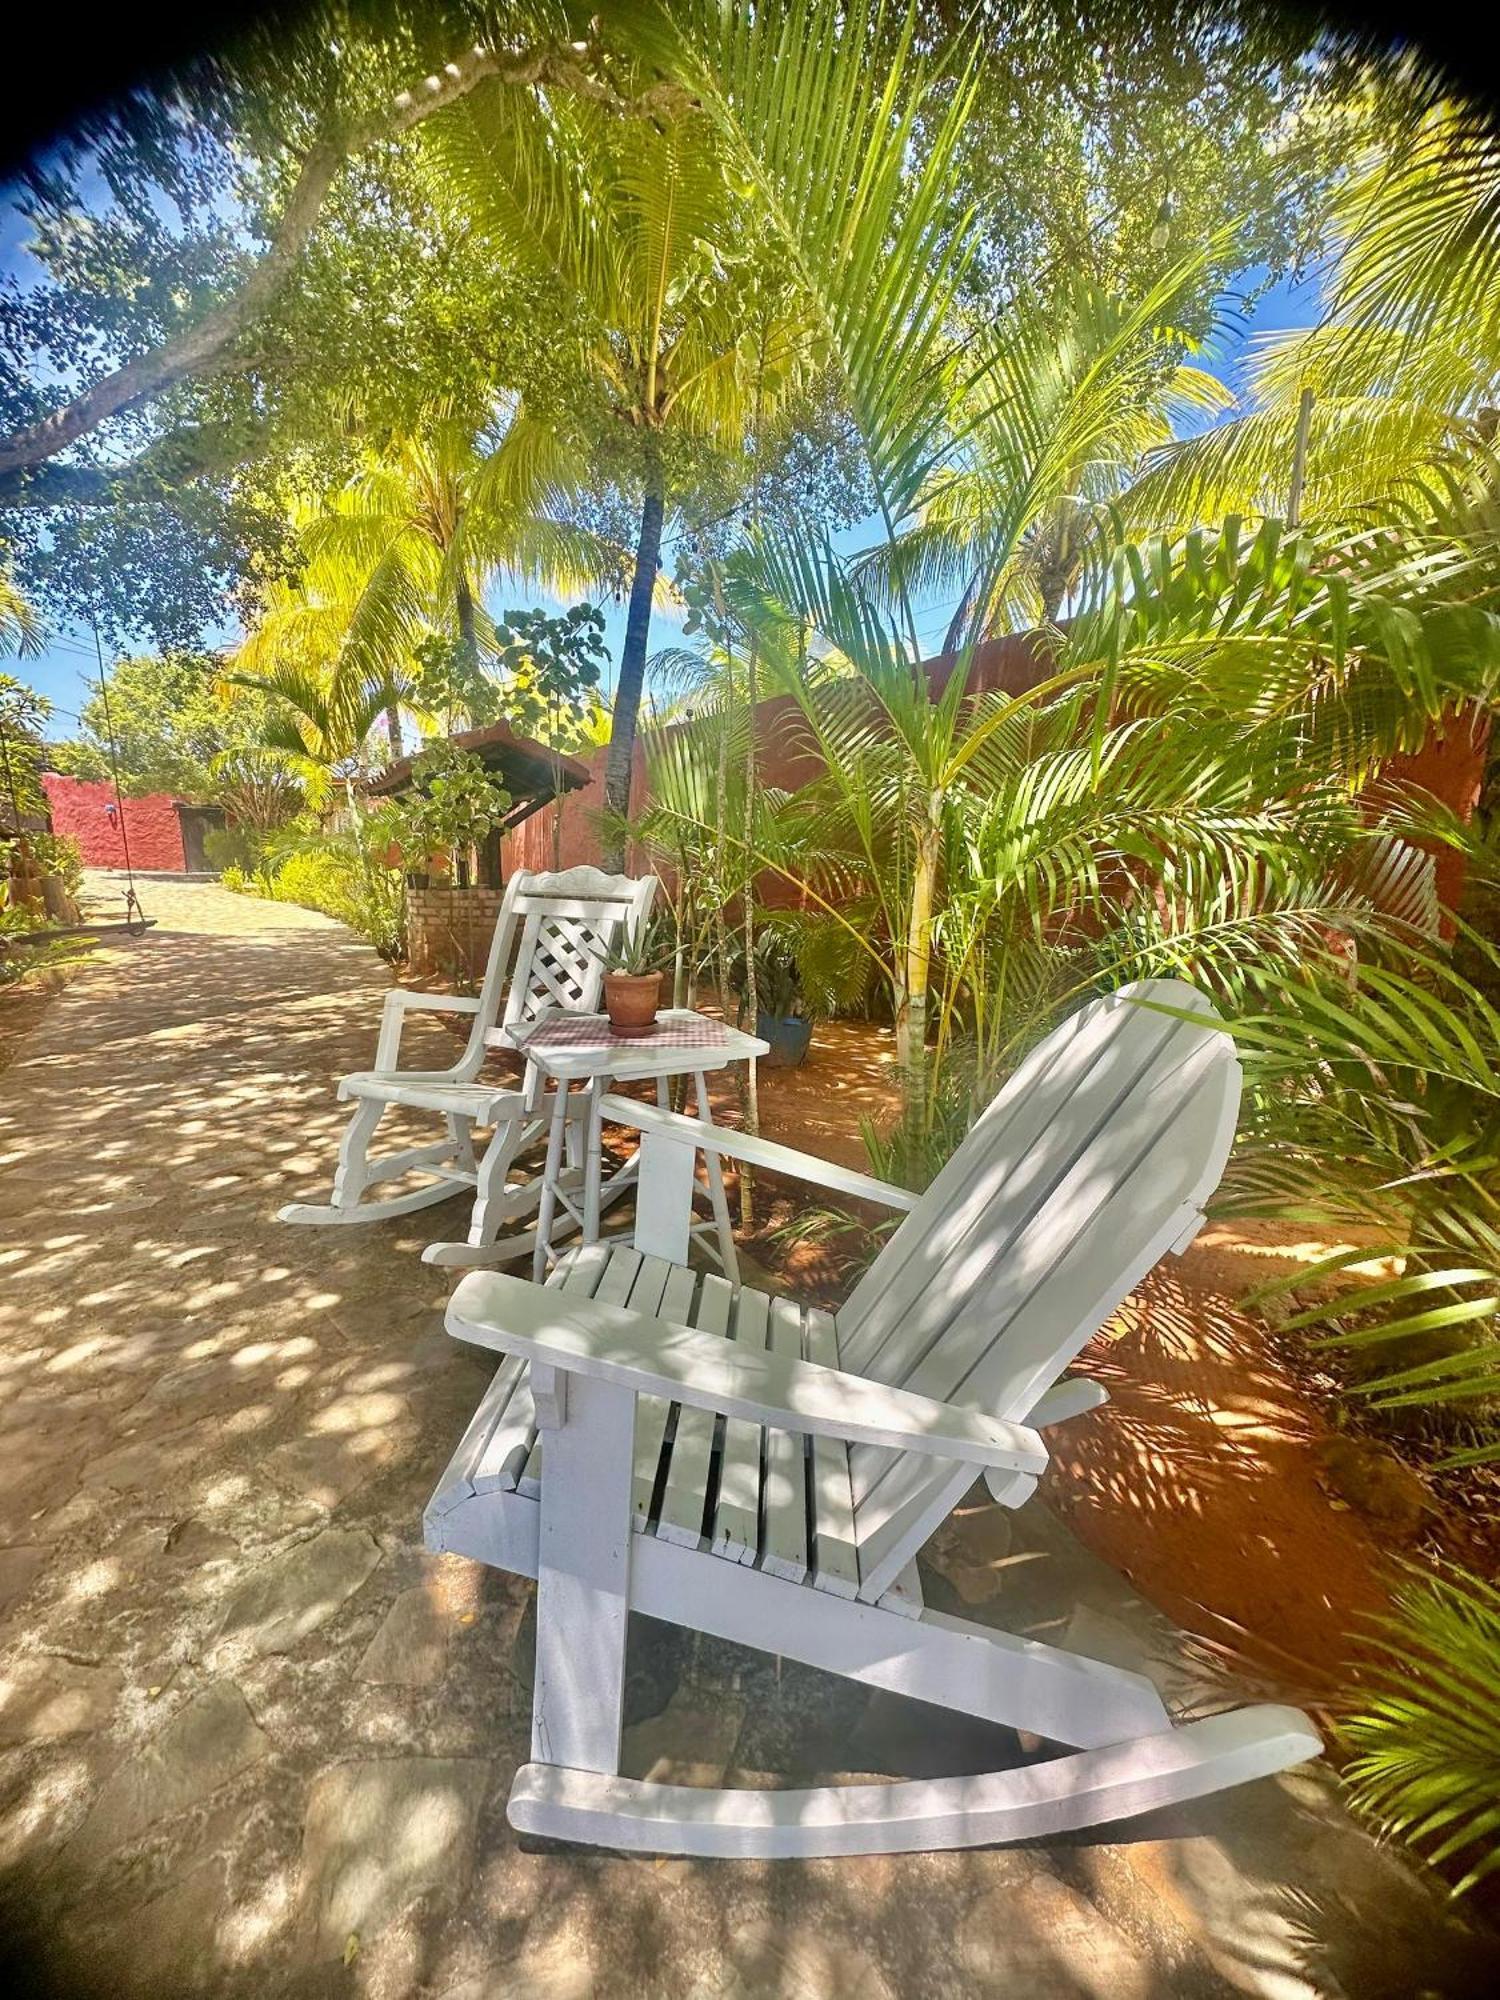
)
(78, 807)
(531, 844)
(783, 755)
(1450, 765)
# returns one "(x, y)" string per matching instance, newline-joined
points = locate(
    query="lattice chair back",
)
(568, 925)
(1086, 1169)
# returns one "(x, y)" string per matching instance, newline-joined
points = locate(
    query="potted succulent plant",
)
(781, 1016)
(632, 981)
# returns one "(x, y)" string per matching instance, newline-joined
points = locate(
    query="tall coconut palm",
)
(1402, 368)
(408, 547)
(669, 267)
(803, 216)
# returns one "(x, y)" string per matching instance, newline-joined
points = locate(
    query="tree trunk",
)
(468, 635)
(749, 1070)
(618, 768)
(393, 729)
(911, 1012)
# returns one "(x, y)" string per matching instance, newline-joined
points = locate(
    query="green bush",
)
(230, 847)
(1426, 1728)
(320, 880)
(59, 854)
(237, 880)
(335, 879)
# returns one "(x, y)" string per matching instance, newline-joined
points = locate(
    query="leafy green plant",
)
(1425, 1724)
(1375, 1118)
(778, 978)
(337, 879)
(226, 847)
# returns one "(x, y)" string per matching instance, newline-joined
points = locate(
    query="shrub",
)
(226, 847)
(1426, 1731)
(238, 881)
(336, 879)
(59, 854)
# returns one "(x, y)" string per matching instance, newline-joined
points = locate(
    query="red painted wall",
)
(1451, 766)
(79, 806)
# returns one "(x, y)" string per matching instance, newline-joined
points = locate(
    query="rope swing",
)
(135, 917)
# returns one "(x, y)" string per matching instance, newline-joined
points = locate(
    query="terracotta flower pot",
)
(631, 1000)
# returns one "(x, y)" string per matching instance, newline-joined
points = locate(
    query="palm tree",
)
(20, 628)
(667, 262)
(407, 548)
(320, 711)
(1060, 404)
(1402, 369)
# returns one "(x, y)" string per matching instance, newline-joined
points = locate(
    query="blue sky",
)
(66, 674)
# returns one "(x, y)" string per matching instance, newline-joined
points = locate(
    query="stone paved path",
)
(253, 1741)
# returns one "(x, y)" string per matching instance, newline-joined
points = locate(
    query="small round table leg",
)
(716, 1195)
(548, 1204)
(593, 1161)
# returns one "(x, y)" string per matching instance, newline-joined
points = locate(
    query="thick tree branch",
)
(196, 347)
(195, 452)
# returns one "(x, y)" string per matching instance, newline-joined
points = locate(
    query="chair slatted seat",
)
(776, 1486)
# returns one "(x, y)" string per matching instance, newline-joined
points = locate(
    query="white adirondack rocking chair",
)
(781, 1467)
(561, 928)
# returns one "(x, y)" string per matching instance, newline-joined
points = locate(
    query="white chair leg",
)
(547, 1207)
(717, 1197)
(461, 1132)
(494, 1196)
(352, 1175)
(583, 1570)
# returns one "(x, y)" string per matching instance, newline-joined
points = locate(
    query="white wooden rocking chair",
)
(561, 927)
(781, 1467)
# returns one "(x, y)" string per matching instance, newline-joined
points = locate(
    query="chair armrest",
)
(399, 1002)
(656, 1357)
(756, 1152)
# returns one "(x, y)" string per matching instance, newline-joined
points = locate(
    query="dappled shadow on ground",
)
(1201, 1477)
(254, 1741)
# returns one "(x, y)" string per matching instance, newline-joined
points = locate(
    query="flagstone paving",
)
(254, 1741)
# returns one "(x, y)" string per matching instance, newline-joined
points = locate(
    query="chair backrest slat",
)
(571, 923)
(1020, 1148)
(1051, 1228)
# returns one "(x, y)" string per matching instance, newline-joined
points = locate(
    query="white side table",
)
(582, 1050)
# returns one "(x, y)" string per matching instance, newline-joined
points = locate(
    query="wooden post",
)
(583, 1572)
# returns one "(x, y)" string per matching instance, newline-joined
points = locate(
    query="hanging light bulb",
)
(1161, 229)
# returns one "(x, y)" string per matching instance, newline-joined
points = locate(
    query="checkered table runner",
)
(592, 1031)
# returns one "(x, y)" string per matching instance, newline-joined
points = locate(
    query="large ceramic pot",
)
(631, 1000)
(788, 1035)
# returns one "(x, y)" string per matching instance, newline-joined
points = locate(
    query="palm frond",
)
(1425, 1728)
